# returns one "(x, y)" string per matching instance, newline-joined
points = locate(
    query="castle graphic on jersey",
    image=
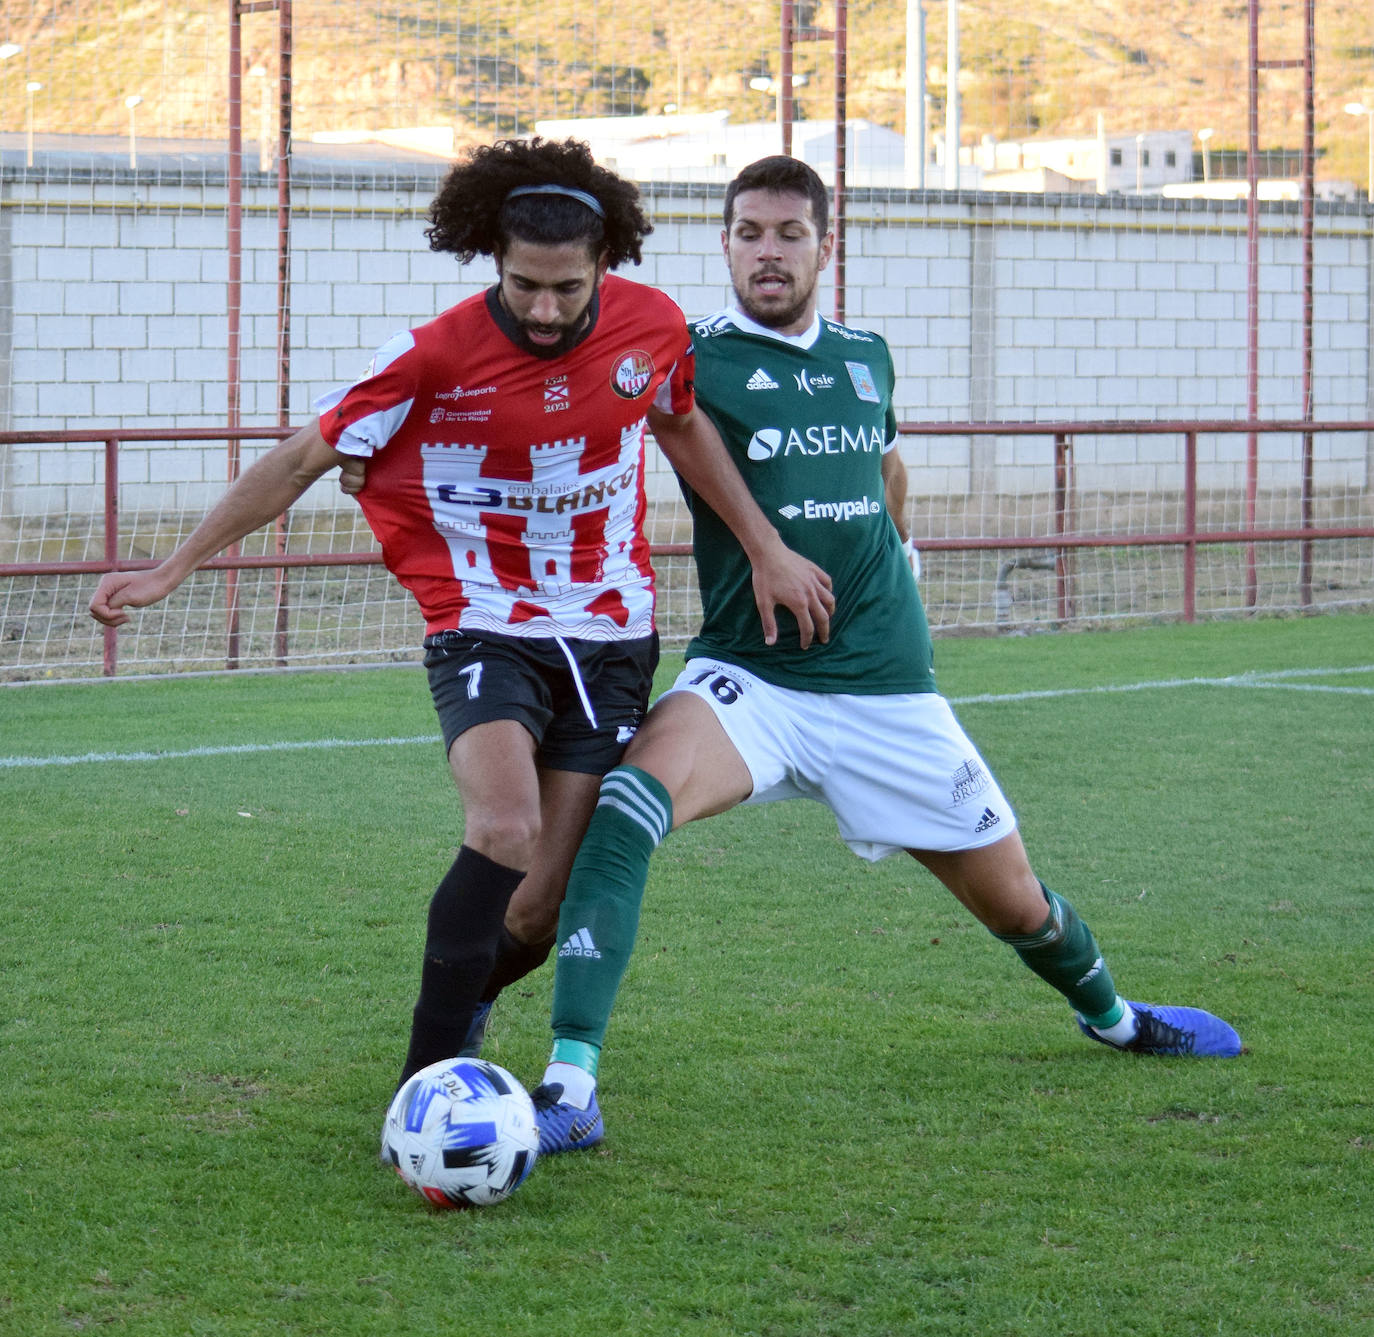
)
(548, 525)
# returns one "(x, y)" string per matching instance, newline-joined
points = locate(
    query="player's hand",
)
(800, 586)
(352, 476)
(913, 557)
(119, 590)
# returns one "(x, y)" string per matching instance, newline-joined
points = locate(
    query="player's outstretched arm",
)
(261, 494)
(781, 577)
(894, 493)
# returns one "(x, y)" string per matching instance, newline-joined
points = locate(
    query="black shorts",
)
(476, 679)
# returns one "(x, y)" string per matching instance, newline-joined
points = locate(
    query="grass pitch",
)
(836, 1107)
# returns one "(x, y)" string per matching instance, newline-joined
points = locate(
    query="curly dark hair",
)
(473, 215)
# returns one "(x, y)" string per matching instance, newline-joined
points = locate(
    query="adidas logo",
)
(760, 380)
(986, 822)
(580, 944)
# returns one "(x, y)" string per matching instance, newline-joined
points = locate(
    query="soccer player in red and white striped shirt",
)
(504, 443)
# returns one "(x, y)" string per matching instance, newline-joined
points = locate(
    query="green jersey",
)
(807, 419)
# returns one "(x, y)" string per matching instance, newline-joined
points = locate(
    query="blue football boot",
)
(1175, 1032)
(563, 1127)
(477, 1031)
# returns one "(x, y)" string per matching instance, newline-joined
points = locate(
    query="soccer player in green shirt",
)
(805, 408)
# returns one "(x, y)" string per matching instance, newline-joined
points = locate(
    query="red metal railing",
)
(1190, 537)
(1064, 540)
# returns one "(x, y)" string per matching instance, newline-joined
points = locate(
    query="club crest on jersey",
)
(862, 379)
(632, 373)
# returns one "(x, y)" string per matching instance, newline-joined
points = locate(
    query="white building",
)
(708, 148)
(1133, 164)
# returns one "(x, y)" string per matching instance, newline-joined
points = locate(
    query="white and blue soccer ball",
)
(461, 1133)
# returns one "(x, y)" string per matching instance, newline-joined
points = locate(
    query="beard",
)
(568, 338)
(569, 335)
(786, 307)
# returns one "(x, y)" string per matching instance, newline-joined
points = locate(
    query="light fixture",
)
(132, 102)
(30, 88)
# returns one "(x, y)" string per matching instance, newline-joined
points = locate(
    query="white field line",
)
(1274, 678)
(231, 750)
(1283, 679)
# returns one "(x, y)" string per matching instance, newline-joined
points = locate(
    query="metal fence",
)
(312, 592)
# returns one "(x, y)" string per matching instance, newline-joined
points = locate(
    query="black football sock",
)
(466, 917)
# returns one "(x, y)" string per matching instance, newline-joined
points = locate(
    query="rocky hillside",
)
(1037, 67)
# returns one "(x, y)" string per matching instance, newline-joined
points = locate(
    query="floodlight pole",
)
(952, 109)
(787, 109)
(31, 88)
(1367, 111)
(841, 149)
(234, 305)
(840, 36)
(1369, 154)
(1307, 190)
(133, 102)
(915, 121)
(237, 9)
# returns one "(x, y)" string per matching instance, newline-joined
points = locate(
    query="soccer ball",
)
(461, 1133)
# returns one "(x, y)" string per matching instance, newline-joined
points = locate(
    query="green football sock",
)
(1063, 953)
(600, 914)
(1110, 1018)
(578, 1053)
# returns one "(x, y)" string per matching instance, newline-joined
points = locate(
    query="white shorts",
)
(898, 772)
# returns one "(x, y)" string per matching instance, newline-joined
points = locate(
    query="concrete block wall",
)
(113, 314)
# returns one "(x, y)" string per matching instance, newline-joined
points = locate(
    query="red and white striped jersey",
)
(507, 490)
